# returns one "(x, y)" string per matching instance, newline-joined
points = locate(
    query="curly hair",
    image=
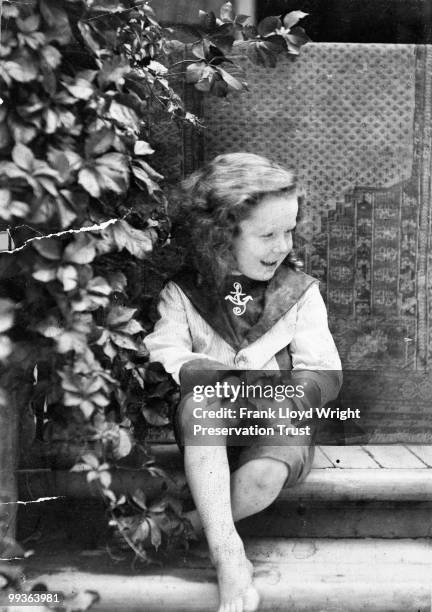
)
(215, 199)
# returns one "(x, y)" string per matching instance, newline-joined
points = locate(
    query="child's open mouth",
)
(269, 264)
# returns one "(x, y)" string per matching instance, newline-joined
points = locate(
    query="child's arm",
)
(313, 348)
(171, 343)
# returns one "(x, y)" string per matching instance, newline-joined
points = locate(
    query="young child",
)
(240, 303)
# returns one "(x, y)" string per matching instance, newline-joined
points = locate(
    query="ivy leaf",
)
(292, 18)
(11, 208)
(269, 25)
(265, 53)
(249, 32)
(207, 21)
(10, 11)
(123, 341)
(6, 347)
(298, 37)
(68, 275)
(56, 18)
(11, 171)
(241, 19)
(147, 175)
(158, 506)
(194, 72)
(99, 142)
(50, 327)
(223, 39)
(118, 281)
(91, 460)
(71, 341)
(154, 418)
(24, 69)
(88, 179)
(119, 315)
(7, 313)
(121, 236)
(23, 157)
(52, 56)
(142, 147)
(50, 248)
(198, 51)
(45, 275)
(155, 533)
(227, 12)
(132, 327)
(113, 70)
(107, 6)
(275, 44)
(232, 82)
(31, 24)
(125, 116)
(65, 163)
(99, 285)
(81, 250)
(80, 88)
(140, 499)
(206, 81)
(113, 172)
(123, 445)
(87, 33)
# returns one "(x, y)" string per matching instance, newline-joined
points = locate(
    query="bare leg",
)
(207, 472)
(254, 486)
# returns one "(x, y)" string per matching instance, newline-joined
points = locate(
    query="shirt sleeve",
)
(313, 351)
(170, 343)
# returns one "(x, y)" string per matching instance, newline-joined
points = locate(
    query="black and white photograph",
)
(215, 305)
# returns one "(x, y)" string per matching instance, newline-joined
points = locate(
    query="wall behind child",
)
(354, 120)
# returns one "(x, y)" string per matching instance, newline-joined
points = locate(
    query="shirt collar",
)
(282, 292)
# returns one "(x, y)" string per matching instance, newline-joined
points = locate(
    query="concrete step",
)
(299, 575)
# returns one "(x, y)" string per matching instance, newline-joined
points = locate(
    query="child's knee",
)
(268, 476)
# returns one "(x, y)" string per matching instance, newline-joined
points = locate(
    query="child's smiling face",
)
(265, 237)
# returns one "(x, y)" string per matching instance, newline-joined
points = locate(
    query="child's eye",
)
(267, 235)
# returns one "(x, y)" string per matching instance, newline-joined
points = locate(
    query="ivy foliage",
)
(78, 80)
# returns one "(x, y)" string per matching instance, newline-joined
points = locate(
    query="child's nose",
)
(283, 244)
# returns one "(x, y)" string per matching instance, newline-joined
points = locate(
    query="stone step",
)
(406, 480)
(299, 575)
(334, 502)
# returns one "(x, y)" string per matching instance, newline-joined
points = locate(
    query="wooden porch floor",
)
(414, 456)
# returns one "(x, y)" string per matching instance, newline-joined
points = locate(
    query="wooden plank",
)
(394, 456)
(321, 461)
(347, 457)
(342, 576)
(363, 485)
(322, 519)
(325, 484)
(422, 451)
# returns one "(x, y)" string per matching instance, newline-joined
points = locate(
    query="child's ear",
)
(294, 261)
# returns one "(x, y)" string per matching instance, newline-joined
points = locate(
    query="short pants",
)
(297, 457)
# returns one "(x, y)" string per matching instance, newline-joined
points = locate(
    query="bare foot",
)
(236, 590)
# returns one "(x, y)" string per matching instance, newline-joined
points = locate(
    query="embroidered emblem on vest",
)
(236, 298)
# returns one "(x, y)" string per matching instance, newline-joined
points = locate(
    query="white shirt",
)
(181, 334)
